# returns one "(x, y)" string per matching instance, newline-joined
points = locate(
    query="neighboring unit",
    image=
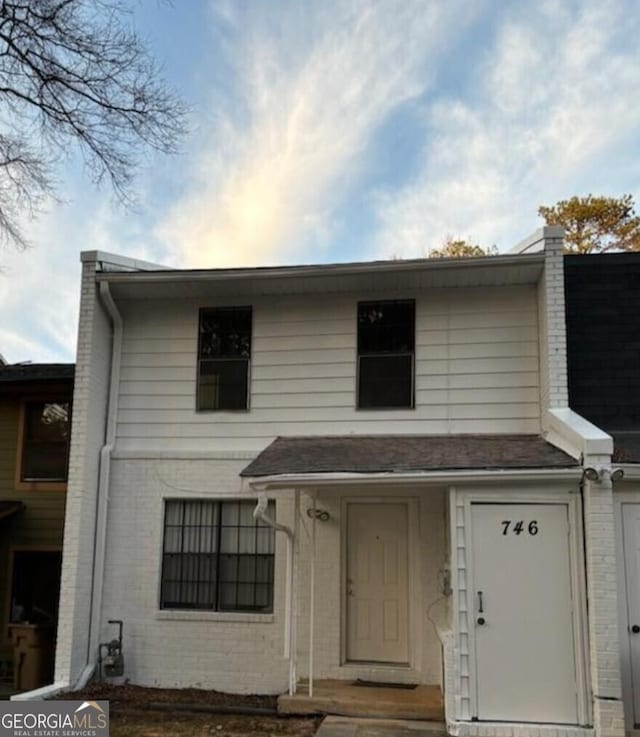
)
(603, 336)
(35, 413)
(284, 478)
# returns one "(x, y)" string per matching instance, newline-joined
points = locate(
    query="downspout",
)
(102, 502)
(260, 513)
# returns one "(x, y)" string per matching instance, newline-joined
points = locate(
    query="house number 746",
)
(517, 528)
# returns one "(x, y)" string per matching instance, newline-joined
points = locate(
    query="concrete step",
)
(348, 699)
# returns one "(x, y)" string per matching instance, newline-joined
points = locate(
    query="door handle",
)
(480, 620)
(635, 629)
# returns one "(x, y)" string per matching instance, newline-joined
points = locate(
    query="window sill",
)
(385, 409)
(184, 615)
(40, 485)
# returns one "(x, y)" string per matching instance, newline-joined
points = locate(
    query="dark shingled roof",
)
(19, 372)
(626, 446)
(399, 453)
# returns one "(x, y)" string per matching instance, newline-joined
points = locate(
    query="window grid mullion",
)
(181, 578)
(199, 555)
(218, 506)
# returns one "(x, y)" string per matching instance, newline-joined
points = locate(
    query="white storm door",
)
(377, 583)
(522, 613)
(631, 533)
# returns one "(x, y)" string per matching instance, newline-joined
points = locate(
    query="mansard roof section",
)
(500, 270)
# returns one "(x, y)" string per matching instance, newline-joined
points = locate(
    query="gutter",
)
(357, 268)
(260, 513)
(102, 504)
(285, 481)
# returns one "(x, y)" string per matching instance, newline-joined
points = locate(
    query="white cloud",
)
(40, 287)
(555, 109)
(316, 80)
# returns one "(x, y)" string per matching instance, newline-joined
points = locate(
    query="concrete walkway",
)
(352, 727)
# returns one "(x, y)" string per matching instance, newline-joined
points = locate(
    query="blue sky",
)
(334, 130)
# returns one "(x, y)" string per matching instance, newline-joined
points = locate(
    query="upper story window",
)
(386, 344)
(224, 353)
(44, 454)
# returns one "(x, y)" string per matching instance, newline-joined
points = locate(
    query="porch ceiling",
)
(405, 453)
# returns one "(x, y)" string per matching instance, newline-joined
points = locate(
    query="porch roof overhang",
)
(400, 459)
(9, 508)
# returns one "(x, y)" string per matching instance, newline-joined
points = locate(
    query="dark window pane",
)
(386, 342)
(222, 384)
(225, 332)
(228, 594)
(35, 586)
(386, 327)
(224, 350)
(45, 442)
(385, 381)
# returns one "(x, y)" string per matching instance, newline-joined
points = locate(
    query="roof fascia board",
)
(175, 275)
(292, 481)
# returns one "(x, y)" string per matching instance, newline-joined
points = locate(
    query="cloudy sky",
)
(338, 130)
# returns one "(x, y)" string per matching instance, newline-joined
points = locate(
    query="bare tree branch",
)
(74, 72)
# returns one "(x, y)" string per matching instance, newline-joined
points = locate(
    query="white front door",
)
(631, 535)
(522, 613)
(377, 583)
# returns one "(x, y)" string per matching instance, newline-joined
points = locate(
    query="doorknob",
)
(481, 620)
(635, 629)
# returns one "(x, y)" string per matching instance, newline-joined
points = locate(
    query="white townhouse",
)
(368, 472)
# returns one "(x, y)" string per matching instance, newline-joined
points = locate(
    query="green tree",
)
(596, 224)
(460, 248)
(73, 73)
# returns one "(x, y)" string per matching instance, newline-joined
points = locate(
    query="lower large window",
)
(217, 557)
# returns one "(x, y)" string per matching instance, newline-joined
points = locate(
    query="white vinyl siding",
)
(476, 370)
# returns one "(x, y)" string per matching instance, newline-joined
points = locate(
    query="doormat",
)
(380, 684)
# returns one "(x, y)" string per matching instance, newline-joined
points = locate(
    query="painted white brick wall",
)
(242, 653)
(602, 594)
(551, 315)
(238, 653)
(89, 409)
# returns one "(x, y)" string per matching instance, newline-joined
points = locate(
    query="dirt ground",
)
(131, 723)
(132, 713)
